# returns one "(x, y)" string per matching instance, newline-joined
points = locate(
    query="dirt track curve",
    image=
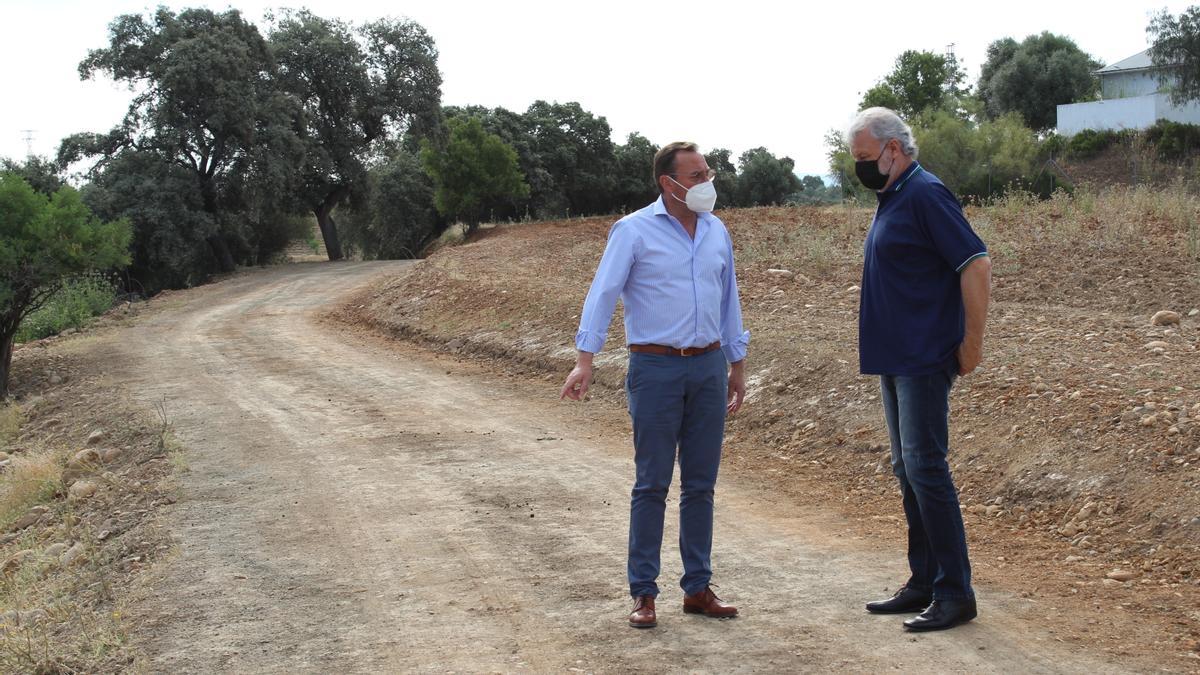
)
(351, 506)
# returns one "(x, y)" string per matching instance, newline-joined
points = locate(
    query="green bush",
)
(1173, 140)
(71, 306)
(1091, 142)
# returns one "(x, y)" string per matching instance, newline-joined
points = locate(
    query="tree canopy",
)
(43, 240)
(1034, 76)
(474, 171)
(356, 87)
(1175, 51)
(919, 81)
(205, 102)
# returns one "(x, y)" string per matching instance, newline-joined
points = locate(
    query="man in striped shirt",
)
(671, 264)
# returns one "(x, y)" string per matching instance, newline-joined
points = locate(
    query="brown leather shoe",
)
(643, 615)
(708, 604)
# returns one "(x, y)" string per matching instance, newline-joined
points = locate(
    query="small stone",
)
(1165, 318)
(15, 561)
(81, 490)
(32, 516)
(1149, 420)
(111, 455)
(1122, 575)
(1075, 558)
(84, 459)
(55, 550)
(72, 555)
(55, 379)
(1194, 312)
(4, 457)
(95, 437)
(1157, 344)
(1111, 582)
(993, 510)
(1173, 431)
(776, 272)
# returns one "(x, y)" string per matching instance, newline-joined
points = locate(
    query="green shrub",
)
(78, 300)
(1091, 142)
(1173, 140)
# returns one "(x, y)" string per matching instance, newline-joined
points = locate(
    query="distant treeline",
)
(236, 139)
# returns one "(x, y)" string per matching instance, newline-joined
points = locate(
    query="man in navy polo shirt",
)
(926, 284)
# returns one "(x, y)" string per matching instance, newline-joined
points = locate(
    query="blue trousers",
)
(676, 403)
(917, 409)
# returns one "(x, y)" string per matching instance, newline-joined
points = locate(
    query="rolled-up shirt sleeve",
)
(734, 338)
(619, 256)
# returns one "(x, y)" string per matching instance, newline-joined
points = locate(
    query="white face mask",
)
(701, 197)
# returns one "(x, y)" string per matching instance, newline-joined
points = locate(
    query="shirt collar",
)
(912, 170)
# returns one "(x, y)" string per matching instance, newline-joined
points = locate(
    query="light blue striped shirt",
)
(678, 291)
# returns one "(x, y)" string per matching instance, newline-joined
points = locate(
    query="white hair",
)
(884, 125)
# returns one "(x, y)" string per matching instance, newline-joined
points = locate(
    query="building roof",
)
(1139, 61)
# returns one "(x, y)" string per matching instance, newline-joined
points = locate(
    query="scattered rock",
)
(1194, 312)
(55, 550)
(84, 459)
(1075, 558)
(15, 561)
(1122, 575)
(32, 516)
(1157, 344)
(1165, 318)
(72, 555)
(95, 437)
(1111, 582)
(81, 490)
(993, 510)
(15, 619)
(786, 274)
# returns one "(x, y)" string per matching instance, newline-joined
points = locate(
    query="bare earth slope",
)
(356, 506)
(1076, 447)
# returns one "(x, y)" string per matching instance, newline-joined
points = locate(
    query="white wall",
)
(1138, 112)
(1128, 85)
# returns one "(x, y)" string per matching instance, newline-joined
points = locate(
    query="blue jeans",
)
(676, 403)
(916, 408)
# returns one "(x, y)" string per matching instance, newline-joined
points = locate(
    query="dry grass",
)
(30, 480)
(67, 613)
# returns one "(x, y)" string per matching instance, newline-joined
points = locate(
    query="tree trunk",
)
(6, 351)
(333, 245)
(324, 213)
(220, 249)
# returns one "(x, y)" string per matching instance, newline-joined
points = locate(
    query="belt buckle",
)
(683, 351)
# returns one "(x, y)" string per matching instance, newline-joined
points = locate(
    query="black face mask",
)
(868, 171)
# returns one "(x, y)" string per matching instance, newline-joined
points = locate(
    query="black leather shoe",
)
(943, 614)
(905, 600)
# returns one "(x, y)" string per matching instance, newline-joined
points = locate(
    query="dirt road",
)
(352, 506)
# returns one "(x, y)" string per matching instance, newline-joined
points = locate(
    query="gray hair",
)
(884, 125)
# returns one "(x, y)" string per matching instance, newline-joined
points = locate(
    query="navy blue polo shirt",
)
(911, 317)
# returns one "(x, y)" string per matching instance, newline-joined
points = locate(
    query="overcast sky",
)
(737, 74)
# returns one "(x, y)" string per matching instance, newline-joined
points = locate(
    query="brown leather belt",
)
(675, 351)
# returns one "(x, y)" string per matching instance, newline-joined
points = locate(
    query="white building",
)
(1132, 98)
